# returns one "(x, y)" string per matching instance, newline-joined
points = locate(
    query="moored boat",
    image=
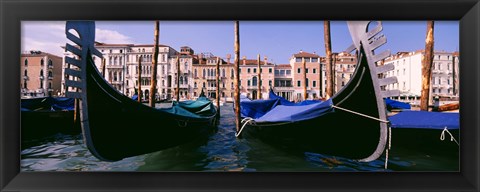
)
(46, 116)
(352, 124)
(432, 133)
(114, 126)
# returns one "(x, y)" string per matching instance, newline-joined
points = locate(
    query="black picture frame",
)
(12, 12)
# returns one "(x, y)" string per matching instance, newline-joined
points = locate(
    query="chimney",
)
(228, 58)
(301, 51)
(265, 60)
(200, 58)
(244, 60)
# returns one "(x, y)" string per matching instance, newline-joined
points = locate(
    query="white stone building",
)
(121, 67)
(408, 70)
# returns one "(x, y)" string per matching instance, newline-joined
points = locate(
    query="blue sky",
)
(277, 40)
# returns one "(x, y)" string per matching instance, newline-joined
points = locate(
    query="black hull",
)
(426, 141)
(339, 133)
(119, 127)
(39, 124)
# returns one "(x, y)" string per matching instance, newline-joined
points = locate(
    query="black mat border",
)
(14, 11)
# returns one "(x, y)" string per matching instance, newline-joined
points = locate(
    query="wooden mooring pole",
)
(328, 50)
(236, 81)
(427, 67)
(259, 74)
(304, 65)
(177, 90)
(218, 86)
(103, 67)
(140, 79)
(153, 84)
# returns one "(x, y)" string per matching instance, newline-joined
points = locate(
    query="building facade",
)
(408, 70)
(312, 72)
(249, 79)
(283, 85)
(41, 74)
(198, 72)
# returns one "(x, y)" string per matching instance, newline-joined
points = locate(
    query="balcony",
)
(50, 66)
(253, 87)
(210, 78)
(114, 66)
(283, 88)
(50, 77)
(42, 77)
(116, 82)
(25, 78)
(211, 88)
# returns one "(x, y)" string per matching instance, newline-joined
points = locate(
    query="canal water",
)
(220, 152)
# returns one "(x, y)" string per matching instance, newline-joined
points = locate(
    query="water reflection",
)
(220, 152)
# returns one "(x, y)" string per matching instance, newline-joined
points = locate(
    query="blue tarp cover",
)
(135, 97)
(425, 119)
(198, 108)
(48, 103)
(283, 101)
(278, 109)
(392, 104)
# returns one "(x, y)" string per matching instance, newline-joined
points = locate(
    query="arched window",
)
(49, 85)
(203, 73)
(195, 85)
(181, 80)
(203, 84)
(186, 81)
(25, 73)
(25, 84)
(26, 62)
(195, 73)
(42, 62)
(50, 74)
(50, 63)
(223, 72)
(248, 83)
(41, 72)
(232, 74)
(254, 81)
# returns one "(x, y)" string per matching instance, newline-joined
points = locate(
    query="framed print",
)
(81, 109)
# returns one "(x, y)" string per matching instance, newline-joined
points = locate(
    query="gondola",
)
(46, 116)
(352, 123)
(116, 127)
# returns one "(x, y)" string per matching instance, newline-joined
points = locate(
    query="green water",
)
(220, 152)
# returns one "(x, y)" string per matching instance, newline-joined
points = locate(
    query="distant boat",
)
(114, 126)
(46, 116)
(352, 124)
(396, 105)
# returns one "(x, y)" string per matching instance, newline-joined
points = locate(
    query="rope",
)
(245, 121)
(361, 114)
(442, 136)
